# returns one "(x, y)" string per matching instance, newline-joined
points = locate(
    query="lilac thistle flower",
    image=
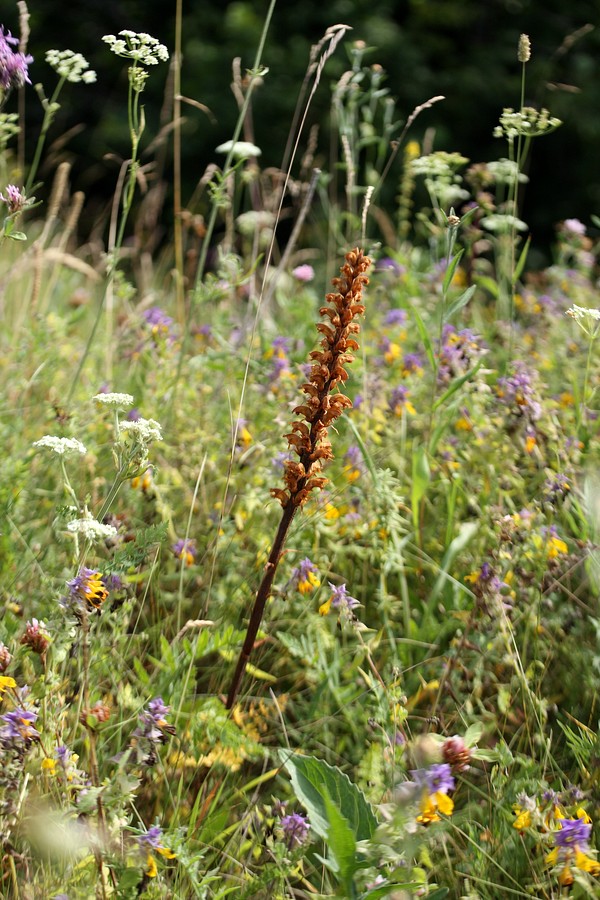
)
(185, 549)
(36, 637)
(305, 576)
(13, 65)
(18, 727)
(295, 828)
(303, 273)
(14, 199)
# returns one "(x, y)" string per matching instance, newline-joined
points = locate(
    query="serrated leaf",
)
(313, 780)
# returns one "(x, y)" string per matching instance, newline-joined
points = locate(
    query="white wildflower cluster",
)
(441, 179)
(142, 430)
(503, 223)
(505, 171)
(72, 66)
(239, 149)
(583, 312)
(91, 529)
(438, 165)
(114, 400)
(587, 318)
(528, 122)
(141, 48)
(61, 445)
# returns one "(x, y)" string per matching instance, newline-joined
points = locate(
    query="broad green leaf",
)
(459, 302)
(313, 780)
(473, 733)
(451, 270)
(341, 843)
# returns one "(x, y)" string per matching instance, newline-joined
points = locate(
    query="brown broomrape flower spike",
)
(308, 437)
(309, 434)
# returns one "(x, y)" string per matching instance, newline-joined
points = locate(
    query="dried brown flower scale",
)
(308, 437)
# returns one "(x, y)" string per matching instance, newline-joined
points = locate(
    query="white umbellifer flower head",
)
(71, 66)
(141, 48)
(116, 401)
(587, 318)
(583, 312)
(90, 529)
(143, 430)
(61, 445)
(239, 149)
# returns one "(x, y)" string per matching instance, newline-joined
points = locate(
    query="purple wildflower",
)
(304, 273)
(14, 199)
(437, 779)
(88, 588)
(185, 549)
(517, 392)
(412, 362)
(573, 226)
(341, 599)
(158, 320)
(295, 829)
(19, 726)
(13, 65)
(387, 264)
(305, 577)
(151, 839)
(557, 486)
(456, 353)
(395, 317)
(574, 833)
(153, 722)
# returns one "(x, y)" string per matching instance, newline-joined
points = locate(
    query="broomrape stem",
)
(308, 437)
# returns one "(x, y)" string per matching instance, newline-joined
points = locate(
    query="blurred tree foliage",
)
(463, 49)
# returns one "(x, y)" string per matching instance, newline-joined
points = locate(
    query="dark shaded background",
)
(464, 49)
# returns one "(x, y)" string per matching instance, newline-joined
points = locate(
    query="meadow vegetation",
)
(299, 580)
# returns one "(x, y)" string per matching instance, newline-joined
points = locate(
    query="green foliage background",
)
(464, 49)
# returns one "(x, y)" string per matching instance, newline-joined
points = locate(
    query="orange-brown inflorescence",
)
(324, 404)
